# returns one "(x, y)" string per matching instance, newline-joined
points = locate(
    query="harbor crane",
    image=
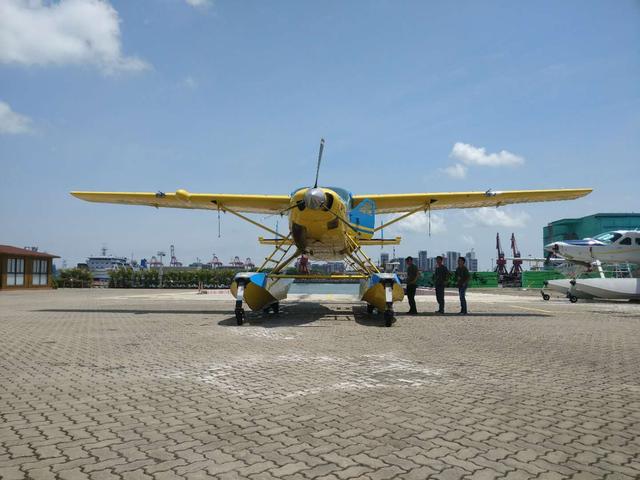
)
(516, 268)
(236, 262)
(174, 261)
(215, 262)
(501, 261)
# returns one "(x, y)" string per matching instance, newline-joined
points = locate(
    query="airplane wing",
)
(405, 202)
(184, 199)
(536, 260)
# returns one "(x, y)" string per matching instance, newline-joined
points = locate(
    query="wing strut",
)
(243, 217)
(425, 207)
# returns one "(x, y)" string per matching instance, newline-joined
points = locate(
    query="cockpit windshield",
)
(608, 237)
(344, 194)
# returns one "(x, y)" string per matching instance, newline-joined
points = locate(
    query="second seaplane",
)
(325, 223)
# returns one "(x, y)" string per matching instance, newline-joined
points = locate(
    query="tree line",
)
(129, 278)
(126, 277)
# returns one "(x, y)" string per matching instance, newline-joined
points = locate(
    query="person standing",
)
(440, 279)
(462, 280)
(412, 285)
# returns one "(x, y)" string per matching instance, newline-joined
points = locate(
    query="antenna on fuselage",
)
(315, 185)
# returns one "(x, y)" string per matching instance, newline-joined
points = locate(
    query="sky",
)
(229, 96)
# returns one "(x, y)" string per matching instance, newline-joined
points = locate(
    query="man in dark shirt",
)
(412, 285)
(440, 279)
(462, 280)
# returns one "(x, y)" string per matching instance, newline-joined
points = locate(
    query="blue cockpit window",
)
(608, 237)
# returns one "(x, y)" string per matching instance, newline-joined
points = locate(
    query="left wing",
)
(184, 199)
(406, 202)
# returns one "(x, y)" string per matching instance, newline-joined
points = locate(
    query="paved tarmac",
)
(128, 384)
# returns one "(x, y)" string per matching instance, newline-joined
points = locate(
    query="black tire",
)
(239, 316)
(276, 307)
(370, 308)
(388, 318)
(546, 297)
(573, 299)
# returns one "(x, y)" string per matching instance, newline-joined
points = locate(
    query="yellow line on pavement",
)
(532, 309)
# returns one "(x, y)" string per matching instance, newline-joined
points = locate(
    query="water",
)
(325, 288)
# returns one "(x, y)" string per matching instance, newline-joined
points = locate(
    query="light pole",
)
(160, 255)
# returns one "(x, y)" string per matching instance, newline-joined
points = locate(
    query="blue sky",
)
(233, 97)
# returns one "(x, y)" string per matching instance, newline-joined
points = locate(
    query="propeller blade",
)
(315, 185)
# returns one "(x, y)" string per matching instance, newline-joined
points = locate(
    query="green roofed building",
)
(586, 227)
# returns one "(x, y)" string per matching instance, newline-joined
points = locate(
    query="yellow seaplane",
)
(325, 223)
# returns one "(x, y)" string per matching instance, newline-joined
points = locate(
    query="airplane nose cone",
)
(552, 247)
(314, 198)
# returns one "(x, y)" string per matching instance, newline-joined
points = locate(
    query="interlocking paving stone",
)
(138, 384)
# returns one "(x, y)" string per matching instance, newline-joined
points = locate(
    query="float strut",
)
(389, 317)
(239, 300)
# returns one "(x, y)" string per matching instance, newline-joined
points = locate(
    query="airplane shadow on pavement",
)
(135, 311)
(292, 315)
(297, 314)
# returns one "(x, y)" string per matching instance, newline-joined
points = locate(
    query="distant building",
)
(25, 268)
(384, 259)
(451, 260)
(590, 226)
(472, 261)
(328, 267)
(431, 264)
(335, 267)
(422, 260)
(399, 264)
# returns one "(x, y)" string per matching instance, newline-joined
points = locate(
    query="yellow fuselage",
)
(324, 233)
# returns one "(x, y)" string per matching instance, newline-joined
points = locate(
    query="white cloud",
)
(419, 223)
(470, 155)
(456, 171)
(12, 122)
(33, 32)
(199, 3)
(189, 82)
(468, 239)
(497, 217)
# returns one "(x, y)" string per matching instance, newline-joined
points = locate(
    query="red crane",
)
(516, 269)
(174, 261)
(236, 262)
(215, 262)
(501, 262)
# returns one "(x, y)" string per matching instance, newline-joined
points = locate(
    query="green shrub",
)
(73, 278)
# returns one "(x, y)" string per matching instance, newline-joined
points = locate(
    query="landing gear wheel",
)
(573, 299)
(276, 307)
(239, 316)
(370, 308)
(388, 318)
(545, 297)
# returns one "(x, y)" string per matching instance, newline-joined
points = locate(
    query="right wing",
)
(405, 202)
(183, 199)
